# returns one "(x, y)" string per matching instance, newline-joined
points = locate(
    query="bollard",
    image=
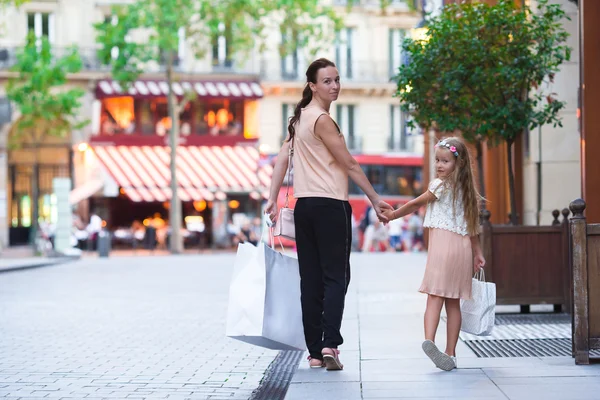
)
(103, 243)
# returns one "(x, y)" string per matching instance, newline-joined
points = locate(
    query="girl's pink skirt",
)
(449, 267)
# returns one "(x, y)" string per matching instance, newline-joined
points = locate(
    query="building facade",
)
(119, 161)
(368, 54)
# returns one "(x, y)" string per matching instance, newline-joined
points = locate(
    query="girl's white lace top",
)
(440, 212)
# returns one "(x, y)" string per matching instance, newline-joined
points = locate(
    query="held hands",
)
(389, 214)
(381, 208)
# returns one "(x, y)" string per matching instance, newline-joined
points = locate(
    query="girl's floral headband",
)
(443, 143)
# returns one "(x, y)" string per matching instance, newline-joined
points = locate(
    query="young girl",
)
(454, 251)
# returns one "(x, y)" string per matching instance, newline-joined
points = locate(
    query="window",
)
(219, 118)
(343, 52)
(41, 24)
(398, 131)
(126, 115)
(180, 50)
(391, 180)
(292, 64)
(396, 36)
(113, 20)
(221, 47)
(345, 114)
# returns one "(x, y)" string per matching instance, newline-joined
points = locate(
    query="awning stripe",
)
(224, 174)
(244, 156)
(145, 88)
(248, 172)
(203, 172)
(212, 179)
(234, 169)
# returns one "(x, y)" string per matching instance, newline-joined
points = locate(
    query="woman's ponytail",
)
(306, 98)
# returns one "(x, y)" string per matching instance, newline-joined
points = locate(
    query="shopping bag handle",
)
(270, 228)
(480, 275)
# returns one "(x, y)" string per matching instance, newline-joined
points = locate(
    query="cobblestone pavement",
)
(124, 328)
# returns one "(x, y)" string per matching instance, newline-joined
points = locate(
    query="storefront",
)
(217, 158)
(33, 163)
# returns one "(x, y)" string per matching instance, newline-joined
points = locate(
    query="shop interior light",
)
(83, 147)
(199, 205)
(233, 204)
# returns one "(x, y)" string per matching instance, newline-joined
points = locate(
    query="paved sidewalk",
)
(383, 331)
(124, 328)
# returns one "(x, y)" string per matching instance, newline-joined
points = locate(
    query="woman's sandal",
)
(331, 359)
(315, 362)
(441, 360)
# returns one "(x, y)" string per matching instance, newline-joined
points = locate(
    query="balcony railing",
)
(403, 4)
(411, 144)
(359, 71)
(269, 69)
(89, 59)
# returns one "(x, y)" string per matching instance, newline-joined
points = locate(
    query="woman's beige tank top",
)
(316, 171)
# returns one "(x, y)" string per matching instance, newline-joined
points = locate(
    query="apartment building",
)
(240, 115)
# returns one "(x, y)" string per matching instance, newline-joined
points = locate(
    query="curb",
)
(49, 263)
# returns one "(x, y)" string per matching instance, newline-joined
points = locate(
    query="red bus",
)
(397, 178)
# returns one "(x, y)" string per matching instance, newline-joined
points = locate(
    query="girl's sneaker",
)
(454, 360)
(440, 359)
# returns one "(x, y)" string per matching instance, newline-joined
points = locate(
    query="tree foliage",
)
(16, 3)
(38, 92)
(486, 71)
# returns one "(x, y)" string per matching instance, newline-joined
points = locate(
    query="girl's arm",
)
(478, 260)
(412, 206)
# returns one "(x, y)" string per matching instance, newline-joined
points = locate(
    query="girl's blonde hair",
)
(463, 181)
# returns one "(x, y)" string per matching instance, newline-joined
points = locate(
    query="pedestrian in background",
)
(454, 251)
(322, 166)
(395, 232)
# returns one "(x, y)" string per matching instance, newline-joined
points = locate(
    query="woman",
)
(322, 165)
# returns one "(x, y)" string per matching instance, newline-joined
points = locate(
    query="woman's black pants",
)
(323, 239)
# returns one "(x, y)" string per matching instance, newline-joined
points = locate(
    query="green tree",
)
(15, 3)
(243, 22)
(485, 71)
(45, 107)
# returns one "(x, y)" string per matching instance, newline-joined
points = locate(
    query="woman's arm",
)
(279, 171)
(328, 131)
(412, 206)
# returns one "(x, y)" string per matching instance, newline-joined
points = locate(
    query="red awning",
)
(204, 89)
(203, 172)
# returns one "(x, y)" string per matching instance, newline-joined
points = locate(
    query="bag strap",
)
(290, 165)
(480, 275)
(270, 229)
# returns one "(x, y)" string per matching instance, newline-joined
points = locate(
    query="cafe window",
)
(117, 116)
(126, 115)
(219, 118)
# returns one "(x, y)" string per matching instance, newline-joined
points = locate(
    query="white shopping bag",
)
(479, 313)
(264, 299)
